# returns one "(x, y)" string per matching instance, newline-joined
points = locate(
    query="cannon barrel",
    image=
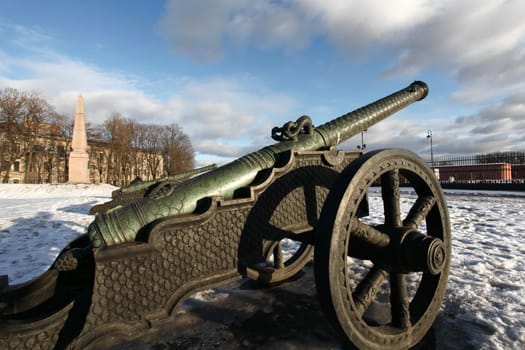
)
(124, 223)
(175, 177)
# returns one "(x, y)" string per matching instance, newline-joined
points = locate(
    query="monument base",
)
(78, 168)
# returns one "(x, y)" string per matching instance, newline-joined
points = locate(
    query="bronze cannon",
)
(138, 262)
(138, 189)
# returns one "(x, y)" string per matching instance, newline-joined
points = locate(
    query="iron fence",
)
(480, 168)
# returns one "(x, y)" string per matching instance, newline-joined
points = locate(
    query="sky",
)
(227, 71)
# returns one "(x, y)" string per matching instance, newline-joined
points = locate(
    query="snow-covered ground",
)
(37, 221)
(485, 301)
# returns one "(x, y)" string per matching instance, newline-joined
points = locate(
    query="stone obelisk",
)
(79, 158)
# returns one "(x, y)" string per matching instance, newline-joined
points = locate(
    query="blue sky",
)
(228, 71)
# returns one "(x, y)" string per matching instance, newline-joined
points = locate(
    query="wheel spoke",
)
(391, 198)
(278, 259)
(399, 303)
(303, 234)
(369, 235)
(366, 291)
(419, 211)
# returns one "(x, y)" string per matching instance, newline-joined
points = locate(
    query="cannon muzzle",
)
(124, 223)
(351, 124)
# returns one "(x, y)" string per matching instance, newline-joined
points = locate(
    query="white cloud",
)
(269, 25)
(351, 23)
(504, 121)
(209, 146)
(481, 44)
(60, 79)
(234, 112)
(396, 131)
(195, 28)
(201, 29)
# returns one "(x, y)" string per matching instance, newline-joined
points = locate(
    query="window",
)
(16, 166)
(38, 148)
(61, 152)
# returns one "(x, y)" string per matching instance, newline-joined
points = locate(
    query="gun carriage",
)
(138, 262)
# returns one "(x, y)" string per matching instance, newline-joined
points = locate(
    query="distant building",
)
(518, 171)
(48, 156)
(476, 173)
(50, 163)
(496, 168)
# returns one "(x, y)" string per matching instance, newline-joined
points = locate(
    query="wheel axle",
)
(424, 253)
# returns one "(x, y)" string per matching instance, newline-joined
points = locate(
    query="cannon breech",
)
(143, 185)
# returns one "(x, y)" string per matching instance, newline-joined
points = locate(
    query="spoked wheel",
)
(281, 224)
(283, 260)
(381, 279)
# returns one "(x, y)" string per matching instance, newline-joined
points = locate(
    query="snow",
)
(484, 307)
(37, 221)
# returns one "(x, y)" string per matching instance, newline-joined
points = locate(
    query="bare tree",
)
(153, 148)
(133, 146)
(118, 133)
(38, 122)
(121, 149)
(138, 158)
(12, 114)
(62, 150)
(24, 118)
(176, 149)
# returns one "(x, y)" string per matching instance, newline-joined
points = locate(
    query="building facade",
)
(47, 161)
(492, 172)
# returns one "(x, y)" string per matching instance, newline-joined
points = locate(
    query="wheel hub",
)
(419, 252)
